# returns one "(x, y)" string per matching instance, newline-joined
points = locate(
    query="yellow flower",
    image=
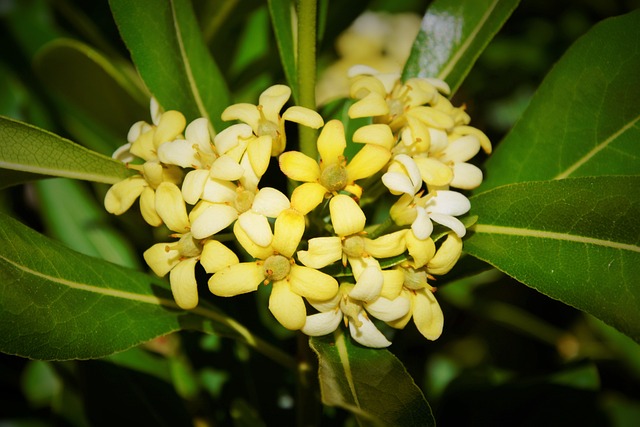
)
(333, 173)
(275, 264)
(265, 119)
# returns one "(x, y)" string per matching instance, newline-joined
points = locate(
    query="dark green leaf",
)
(282, 22)
(371, 383)
(576, 240)
(92, 82)
(26, 148)
(167, 48)
(59, 304)
(453, 35)
(584, 118)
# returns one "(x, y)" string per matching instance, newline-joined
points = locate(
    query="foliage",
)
(557, 212)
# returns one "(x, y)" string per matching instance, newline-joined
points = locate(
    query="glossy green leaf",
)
(58, 304)
(72, 215)
(453, 34)
(94, 83)
(166, 46)
(283, 23)
(575, 240)
(584, 118)
(26, 148)
(371, 383)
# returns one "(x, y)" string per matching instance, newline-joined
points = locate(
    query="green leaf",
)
(166, 46)
(584, 118)
(371, 383)
(94, 83)
(27, 148)
(58, 304)
(576, 240)
(453, 35)
(282, 21)
(71, 215)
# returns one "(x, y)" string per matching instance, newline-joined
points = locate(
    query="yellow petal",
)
(287, 306)
(322, 251)
(193, 185)
(378, 134)
(311, 283)
(369, 160)
(362, 86)
(225, 168)
(256, 227)
(392, 284)
(288, 231)
(184, 285)
(402, 322)
(427, 314)
(307, 196)
(299, 167)
(216, 256)
(171, 207)
(148, 207)
(270, 202)
(230, 138)
(304, 116)
(259, 150)
(256, 251)
(434, 172)
(389, 309)
(171, 125)
(162, 257)
(370, 106)
(212, 219)
(331, 142)
(273, 99)
(236, 279)
(143, 146)
(420, 250)
(219, 191)
(123, 194)
(244, 112)
(368, 285)
(432, 117)
(346, 216)
(386, 246)
(485, 143)
(447, 255)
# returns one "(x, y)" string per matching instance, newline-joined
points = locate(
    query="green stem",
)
(381, 228)
(309, 409)
(307, 16)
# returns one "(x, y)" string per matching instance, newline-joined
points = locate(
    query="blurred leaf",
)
(166, 46)
(92, 82)
(26, 148)
(143, 361)
(583, 120)
(9, 178)
(453, 35)
(72, 216)
(576, 240)
(370, 383)
(40, 384)
(283, 23)
(59, 304)
(244, 415)
(140, 399)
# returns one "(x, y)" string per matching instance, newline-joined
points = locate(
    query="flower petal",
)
(229, 137)
(388, 310)
(236, 279)
(331, 142)
(447, 255)
(386, 246)
(171, 207)
(466, 176)
(162, 257)
(193, 185)
(219, 191)
(259, 150)
(257, 227)
(178, 152)
(450, 222)
(123, 194)
(307, 196)
(270, 202)
(367, 334)
(448, 203)
(311, 283)
(321, 252)
(378, 134)
(273, 99)
(244, 112)
(304, 116)
(427, 314)
(369, 160)
(148, 207)
(368, 285)
(171, 125)
(286, 306)
(226, 169)
(421, 250)
(434, 172)
(299, 167)
(346, 216)
(322, 323)
(288, 231)
(184, 285)
(393, 280)
(216, 256)
(462, 149)
(422, 226)
(214, 218)
(373, 104)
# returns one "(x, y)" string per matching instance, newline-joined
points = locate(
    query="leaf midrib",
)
(527, 232)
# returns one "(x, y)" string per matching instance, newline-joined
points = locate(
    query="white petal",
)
(226, 169)
(462, 149)
(450, 222)
(198, 133)
(368, 285)
(219, 191)
(448, 203)
(389, 310)
(322, 323)
(466, 176)
(422, 226)
(193, 185)
(179, 152)
(270, 202)
(257, 227)
(213, 219)
(412, 170)
(321, 252)
(228, 138)
(367, 334)
(398, 183)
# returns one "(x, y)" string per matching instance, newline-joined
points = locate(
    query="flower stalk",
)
(307, 18)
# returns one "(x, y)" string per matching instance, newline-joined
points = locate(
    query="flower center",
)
(334, 177)
(188, 246)
(244, 200)
(276, 267)
(349, 308)
(353, 246)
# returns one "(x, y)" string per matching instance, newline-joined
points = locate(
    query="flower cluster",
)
(323, 257)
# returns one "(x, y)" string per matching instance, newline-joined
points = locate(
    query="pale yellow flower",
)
(334, 173)
(265, 119)
(275, 265)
